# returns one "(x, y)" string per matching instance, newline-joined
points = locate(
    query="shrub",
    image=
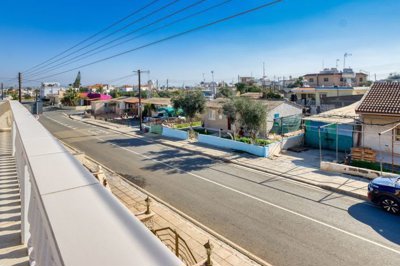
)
(364, 164)
(186, 125)
(263, 142)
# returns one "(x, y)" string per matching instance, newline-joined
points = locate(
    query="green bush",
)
(244, 139)
(364, 164)
(186, 125)
(372, 166)
(263, 142)
(260, 142)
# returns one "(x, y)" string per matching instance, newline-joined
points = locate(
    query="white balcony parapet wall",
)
(67, 217)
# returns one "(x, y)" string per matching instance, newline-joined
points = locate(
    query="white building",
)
(48, 88)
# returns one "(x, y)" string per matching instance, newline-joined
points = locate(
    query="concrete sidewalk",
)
(302, 167)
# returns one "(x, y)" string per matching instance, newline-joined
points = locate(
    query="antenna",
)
(344, 59)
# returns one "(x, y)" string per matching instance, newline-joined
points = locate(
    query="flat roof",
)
(344, 115)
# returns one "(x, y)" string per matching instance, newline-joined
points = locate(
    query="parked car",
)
(385, 191)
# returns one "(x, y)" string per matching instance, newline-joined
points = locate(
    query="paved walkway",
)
(302, 167)
(11, 251)
(165, 216)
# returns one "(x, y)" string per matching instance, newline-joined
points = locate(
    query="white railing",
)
(67, 217)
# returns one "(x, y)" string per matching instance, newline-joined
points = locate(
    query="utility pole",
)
(19, 87)
(139, 72)
(167, 84)
(213, 85)
(2, 91)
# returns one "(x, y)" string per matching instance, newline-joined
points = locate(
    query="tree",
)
(115, 93)
(229, 110)
(250, 114)
(148, 108)
(191, 102)
(252, 117)
(241, 87)
(14, 95)
(77, 83)
(71, 97)
(224, 92)
(27, 96)
(299, 82)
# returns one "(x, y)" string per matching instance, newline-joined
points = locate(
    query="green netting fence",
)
(287, 124)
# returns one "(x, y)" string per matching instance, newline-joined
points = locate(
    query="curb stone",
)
(329, 188)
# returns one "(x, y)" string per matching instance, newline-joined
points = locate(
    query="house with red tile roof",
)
(379, 113)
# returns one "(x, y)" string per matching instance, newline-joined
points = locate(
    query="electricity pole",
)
(139, 72)
(19, 87)
(2, 91)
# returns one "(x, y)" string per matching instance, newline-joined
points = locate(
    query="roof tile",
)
(382, 98)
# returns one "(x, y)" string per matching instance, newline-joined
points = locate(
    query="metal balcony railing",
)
(177, 244)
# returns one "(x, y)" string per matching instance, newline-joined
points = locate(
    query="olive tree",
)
(191, 102)
(249, 114)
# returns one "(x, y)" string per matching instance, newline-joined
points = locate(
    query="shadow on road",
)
(177, 161)
(127, 142)
(387, 225)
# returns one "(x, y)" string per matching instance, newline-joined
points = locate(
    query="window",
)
(311, 80)
(341, 79)
(361, 79)
(211, 115)
(397, 133)
(326, 79)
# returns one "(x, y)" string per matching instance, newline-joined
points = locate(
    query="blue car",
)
(385, 191)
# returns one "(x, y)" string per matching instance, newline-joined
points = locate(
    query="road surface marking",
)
(277, 177)
(264, 201)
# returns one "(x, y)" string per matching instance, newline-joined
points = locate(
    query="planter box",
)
(234, 145)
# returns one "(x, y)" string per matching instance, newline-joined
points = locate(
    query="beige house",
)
(380, 116)
(214, 118)
(111, 107)
(125, 105)
(314, 95)
(333, 77)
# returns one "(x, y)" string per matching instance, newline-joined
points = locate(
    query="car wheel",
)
(390, 205)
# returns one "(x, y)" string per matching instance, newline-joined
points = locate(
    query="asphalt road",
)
(279, 220)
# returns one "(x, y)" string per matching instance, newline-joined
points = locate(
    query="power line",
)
(113, 33)
(79, 57)
(94, 35)
(154, 30)
(120, 78)
(173, 36)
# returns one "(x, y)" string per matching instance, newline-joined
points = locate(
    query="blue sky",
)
(293, 37)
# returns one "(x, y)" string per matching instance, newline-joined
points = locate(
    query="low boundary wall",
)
(261, 151)
(351, 170)
(286, 143)
(175, 133)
